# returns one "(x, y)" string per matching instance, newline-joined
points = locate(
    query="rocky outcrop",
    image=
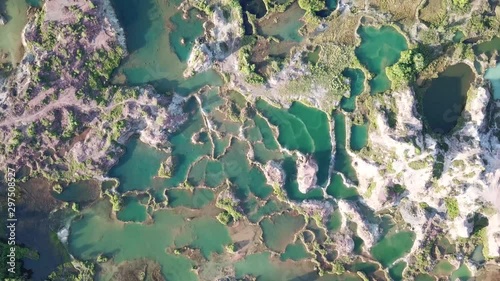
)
(306, 173)
(221, 38)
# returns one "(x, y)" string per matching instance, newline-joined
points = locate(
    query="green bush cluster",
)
(15, 141)
(452, 207)
(405, 70)
(312, 5)
(461, 4)
(229, 214)
(417, 164)
(70, 130)
(115, 200)
(246, 66)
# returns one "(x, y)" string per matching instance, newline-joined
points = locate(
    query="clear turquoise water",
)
(339, 190)
(342, 159)
(357, 83)
(318, 127)
(293, 133)
(335, 222)
(458, 37)
(132, 210)
(380, 48)
(195, 199)
(187, 31)
(359, 136)
(396, 271)
(331, 4)
(256, 212)
(392, 247)
(153, 31)
(445, 98)
(137, 166)
(424, 277)
(97, 233)
(493, 75)
(264, 267)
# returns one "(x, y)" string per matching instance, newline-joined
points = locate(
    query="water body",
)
(314, 55)
(357, 82)
(392, 247)
(293, 133)
(279, 230)
(80, 192)
(443, 268)
(296, 252)
(318, 127)
(97, 233)
(339, 190)
(493, 75)
(137, 166)
(359, 136)
(132, 210)
(367, 268)
(11, 49)
(342, 159)
(330, 5)
(284, 26)
(380, 48)
(458, 37)
(445, 97)
(462, 273)
(266, 268)
(396, 271)
(184, 33)
(157, 55)
(37, 226)
(488, 47)
(194, 199)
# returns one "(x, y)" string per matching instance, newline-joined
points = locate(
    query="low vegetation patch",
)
(452, 207)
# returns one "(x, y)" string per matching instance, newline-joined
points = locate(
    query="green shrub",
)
(405, 70)
(312, 5)
(418, 164)
(452, 207)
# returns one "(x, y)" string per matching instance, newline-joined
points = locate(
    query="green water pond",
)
(343, 162)
(11, 46)
(445, 97)
(95, 233)
(379, 48)
(132, 210)
(357, 83)
(138, 165)
(392, 247)
(279, 230)
(493, 75)
(159, 44)
(359, 136)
